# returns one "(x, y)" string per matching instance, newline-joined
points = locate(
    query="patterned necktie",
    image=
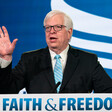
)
(58, 71)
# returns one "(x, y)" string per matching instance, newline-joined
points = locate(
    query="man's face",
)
(57, 40)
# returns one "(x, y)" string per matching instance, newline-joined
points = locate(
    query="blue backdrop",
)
(92, 25)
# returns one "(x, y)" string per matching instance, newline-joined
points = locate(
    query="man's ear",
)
(70, 31)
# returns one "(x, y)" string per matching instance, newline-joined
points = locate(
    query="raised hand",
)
(6, 47)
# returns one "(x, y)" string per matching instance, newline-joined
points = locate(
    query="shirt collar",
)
(63, 54)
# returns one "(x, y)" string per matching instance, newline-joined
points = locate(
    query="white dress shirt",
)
(63, 58)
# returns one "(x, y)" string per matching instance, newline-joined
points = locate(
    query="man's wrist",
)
(7, 57)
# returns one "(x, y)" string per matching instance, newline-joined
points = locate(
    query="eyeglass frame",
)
(61, 26)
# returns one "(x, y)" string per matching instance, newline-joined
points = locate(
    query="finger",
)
(14, 43)
(1, 33)
(5, 31)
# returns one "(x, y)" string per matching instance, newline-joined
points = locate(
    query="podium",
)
(56, 102)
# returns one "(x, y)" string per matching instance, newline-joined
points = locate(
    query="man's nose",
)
(52, 30)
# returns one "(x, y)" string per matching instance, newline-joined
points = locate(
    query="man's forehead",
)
(56, 18)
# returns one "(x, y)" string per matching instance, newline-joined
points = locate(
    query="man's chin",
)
(53, 47)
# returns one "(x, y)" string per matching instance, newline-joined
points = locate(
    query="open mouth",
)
(53, 38)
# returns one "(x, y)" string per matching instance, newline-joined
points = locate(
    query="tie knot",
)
(57, 56)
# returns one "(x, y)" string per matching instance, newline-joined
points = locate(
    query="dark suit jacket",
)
(82, 74)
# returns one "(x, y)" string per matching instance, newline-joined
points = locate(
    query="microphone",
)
(56, 86)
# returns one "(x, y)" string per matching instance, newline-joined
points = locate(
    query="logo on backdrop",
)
(90, 32)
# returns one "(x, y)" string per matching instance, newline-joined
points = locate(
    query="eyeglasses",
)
(55, 27)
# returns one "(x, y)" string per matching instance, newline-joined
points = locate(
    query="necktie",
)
(58, 71)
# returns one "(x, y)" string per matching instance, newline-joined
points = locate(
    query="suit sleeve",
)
(102, 83)
(11, 81)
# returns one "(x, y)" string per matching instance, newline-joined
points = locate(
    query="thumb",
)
(14, 43)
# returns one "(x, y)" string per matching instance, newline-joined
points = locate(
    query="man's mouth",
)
(53, 38)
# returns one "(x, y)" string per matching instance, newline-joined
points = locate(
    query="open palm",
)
(6, 47)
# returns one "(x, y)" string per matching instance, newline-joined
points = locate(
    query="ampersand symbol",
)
(48, 104)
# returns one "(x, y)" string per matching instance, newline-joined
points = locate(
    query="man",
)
(36, 71)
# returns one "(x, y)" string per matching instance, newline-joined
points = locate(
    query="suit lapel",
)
(47, 64)
(71, 64)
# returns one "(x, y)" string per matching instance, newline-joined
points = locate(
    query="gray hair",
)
(67, 20)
